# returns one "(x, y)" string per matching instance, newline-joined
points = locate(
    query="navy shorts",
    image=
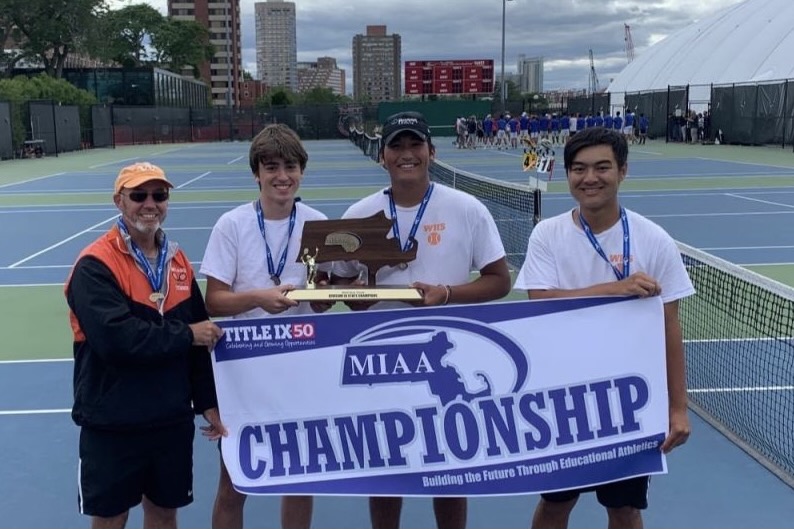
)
(626, 493)
(118, 468)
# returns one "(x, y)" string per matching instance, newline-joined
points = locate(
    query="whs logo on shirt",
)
(433, 232)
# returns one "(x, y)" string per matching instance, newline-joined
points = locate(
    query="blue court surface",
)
(49, 216)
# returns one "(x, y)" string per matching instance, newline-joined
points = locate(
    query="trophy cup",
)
(363, 240)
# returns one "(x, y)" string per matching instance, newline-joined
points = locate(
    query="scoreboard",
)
(474, 76)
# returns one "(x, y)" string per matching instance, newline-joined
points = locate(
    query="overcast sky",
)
(562, 31)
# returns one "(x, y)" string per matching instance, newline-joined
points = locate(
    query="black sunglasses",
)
(138, 195)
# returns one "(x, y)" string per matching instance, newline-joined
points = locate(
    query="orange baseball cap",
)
(138, 174)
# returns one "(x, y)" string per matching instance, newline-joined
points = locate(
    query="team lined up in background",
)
(505, 132)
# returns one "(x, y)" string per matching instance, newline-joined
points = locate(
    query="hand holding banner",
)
(466, 400)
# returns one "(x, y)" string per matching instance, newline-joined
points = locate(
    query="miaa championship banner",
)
(505, 398)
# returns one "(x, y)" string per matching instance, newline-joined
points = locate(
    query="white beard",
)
(146, 228)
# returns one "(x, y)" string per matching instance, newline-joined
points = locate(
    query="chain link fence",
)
(741, 113)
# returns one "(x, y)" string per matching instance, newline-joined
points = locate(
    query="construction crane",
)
(593, 76)
(629, 43)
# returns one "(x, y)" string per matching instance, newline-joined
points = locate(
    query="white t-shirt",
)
(236, 254)
(560, 256)
(457, 235)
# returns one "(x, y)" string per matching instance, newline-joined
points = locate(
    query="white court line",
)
(743, 163)
(238, 158)
(646, 152)
(704, 193)
(35, 412)
(31, 285)
(31, 180)
(751, 199)
(748, 265)
(728, 214)
(60, 243)
(193, 180)
(55, 267)
(37, 361)
(210, 204)
(175, 149)
(113, 162)
(748, 389)
(200, 279)
(169, 229)
(746, 248)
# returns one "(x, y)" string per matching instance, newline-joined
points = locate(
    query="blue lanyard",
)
(155, 276)
(626, 247)
(395, 228)
(275, 274)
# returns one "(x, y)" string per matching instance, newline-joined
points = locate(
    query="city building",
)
(530, 74)
(457, 77)
(251, 90)
(222, 17)
(377, 58)
(323, 73)
(276, 43)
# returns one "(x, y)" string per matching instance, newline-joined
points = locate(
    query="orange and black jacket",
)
(134, 365)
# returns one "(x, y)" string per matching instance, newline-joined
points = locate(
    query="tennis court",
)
(736, 203)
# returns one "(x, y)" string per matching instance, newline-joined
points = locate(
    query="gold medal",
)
(155, 297)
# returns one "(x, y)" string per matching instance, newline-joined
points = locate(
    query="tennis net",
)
(739, 332)
(514, 207)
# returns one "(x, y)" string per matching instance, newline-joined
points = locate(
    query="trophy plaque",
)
(363, 240)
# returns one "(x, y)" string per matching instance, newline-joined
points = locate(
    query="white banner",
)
(505, 398)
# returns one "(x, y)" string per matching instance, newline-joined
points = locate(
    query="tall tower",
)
(629, 42)
(377, 58)
(222, 18)
(276, 43)
(530, 74)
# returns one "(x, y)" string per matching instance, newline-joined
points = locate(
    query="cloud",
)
(562, 31)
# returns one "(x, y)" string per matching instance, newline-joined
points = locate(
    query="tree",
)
(320, 94)
(21, 89)
(8, 58)
(180, 43)
(281, 96)
(52, 29)
(122, 35)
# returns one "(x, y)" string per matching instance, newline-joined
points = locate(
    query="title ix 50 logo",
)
(262, 333)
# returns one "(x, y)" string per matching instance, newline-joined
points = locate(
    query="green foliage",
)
(281, 96)
(120, 35)
(320, 94)
(52, 29)
(180, 43)
(19, 90)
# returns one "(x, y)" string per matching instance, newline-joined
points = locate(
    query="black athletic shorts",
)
(626, 493)
(117, 468)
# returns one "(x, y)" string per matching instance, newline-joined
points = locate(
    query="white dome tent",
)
(750, 42)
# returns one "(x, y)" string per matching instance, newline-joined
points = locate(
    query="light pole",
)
(502, 82)
(229, 44)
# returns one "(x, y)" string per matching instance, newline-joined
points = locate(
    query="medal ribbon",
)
(275, 273)
(155, 276)
(395, 228)
(626, 246)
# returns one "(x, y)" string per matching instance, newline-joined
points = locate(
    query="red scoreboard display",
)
(449, 77)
